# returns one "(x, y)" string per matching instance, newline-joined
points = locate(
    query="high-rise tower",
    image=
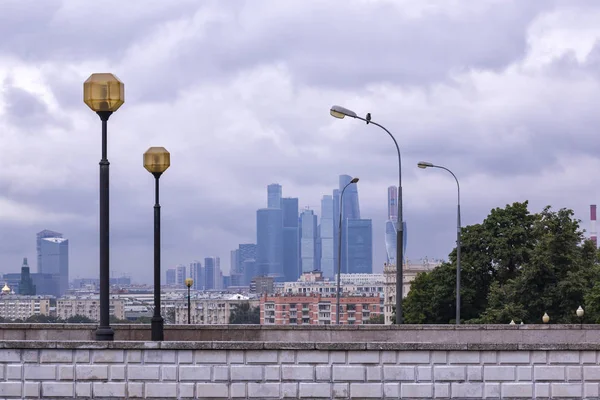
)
(326, 230)
(274, 195)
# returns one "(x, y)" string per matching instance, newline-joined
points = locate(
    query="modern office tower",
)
(26, 286)
(291, 239)
(247, 263)
(181, 274)
(351, 205)
(308, 237)
(213, 277)
(359, 249)
(197, 274)
(171, 278)
(39, 236)
(350, 210)
(53, 257)
(326, 229)
(235, 273)
(274, 195)
(269, 242)
(390, 224)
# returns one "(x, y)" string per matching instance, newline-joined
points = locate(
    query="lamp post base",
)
(157, 325)
(105, 333)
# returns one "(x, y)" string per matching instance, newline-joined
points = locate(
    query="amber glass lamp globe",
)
(157, 160)
(103, 92)
(189, 282)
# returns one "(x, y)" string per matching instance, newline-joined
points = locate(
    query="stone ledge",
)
(324, 346)
(427, 327)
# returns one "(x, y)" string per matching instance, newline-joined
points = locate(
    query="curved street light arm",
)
(399, 227)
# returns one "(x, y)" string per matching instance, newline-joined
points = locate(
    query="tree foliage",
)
(515, 266)
(244, 314)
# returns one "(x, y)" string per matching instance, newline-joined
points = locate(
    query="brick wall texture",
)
(243, 371)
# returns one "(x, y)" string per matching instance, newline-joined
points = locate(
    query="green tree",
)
(43, 319)
(515, 266)
(244, 314)
(377, 319)
(79, 319)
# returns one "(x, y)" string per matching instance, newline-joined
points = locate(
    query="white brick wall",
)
(241, 370)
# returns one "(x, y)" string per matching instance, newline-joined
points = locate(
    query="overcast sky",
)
(504, 93)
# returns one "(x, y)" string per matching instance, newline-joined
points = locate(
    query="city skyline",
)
(504, 98)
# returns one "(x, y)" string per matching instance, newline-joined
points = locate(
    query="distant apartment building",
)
(350, 284)
(211, 311)
(68, 307)
(410, 271)
(262, 284)
(13, 307)
(318, 309)
(180, 275)
(171, 277)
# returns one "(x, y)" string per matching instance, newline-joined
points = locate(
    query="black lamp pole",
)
(157, 323)
(104, 331)
(339, 272)
(189, 307)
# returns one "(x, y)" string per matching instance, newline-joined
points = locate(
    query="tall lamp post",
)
(424, 165)
(341, 112)
(104, 93)
(189, 282)
(339, 269)
(156, 161)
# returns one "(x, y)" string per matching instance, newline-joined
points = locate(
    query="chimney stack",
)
(593, 232)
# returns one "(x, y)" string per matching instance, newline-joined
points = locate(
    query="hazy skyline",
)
(504, 93)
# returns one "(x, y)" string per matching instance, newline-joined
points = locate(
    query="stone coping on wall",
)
(366, 327)
(235, 345)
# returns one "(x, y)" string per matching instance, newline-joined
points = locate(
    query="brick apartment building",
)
(317, 309)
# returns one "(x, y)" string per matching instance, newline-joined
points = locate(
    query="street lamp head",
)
(189, 282)
(157, 160)
(424, 164)
(546, 318)
(341, 112)
(103, 92)
(579, 312)
(354, 180)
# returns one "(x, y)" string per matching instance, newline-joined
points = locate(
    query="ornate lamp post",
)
(189, 282)
(104, 93)
(156, 161)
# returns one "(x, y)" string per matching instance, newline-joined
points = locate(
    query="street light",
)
(339, 274)
(341, 112)
(104, 93)
(546, 318)
(156, 161)
(424, 165)
(189, 282)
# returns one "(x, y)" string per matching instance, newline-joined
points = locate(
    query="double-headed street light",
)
(104, 93)
(189, 282)
(341, 112)
(339, 269)
(424, 165)
(156, 161)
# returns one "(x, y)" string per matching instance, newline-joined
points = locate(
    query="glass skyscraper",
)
(359, 249)
(326, 230)
(291, 240)
(269, 242)
(274, 195)
(308, 238)
(391, 227)
(53, 259)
